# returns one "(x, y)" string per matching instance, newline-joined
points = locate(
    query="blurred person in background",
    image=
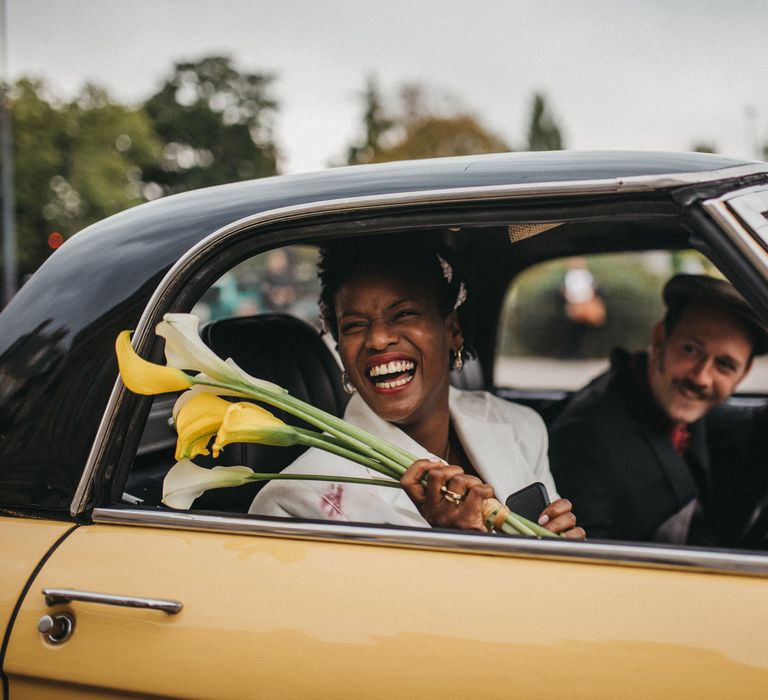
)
(583, 307)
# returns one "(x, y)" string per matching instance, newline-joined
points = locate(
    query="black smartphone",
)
(529, 501)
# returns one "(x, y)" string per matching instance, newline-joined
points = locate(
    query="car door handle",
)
(54, 596)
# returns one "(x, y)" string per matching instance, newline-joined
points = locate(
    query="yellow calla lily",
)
(200, 414)
(201, 389)
(198, 420)
(143, 377)
(247, 422)
(186, 481)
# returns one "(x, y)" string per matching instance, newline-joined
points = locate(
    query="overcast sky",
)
(649, 74)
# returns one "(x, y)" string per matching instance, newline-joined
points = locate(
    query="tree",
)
(704, 147)
(38, 134)
(74, 164)
(375, 123)
(419, 128)
(433, 136)
(543, 132)
(215, 124)
(110, 148)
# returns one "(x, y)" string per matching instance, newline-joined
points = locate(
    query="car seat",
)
(289, 352)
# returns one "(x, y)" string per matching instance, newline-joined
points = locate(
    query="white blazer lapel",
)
(490, 443)
(363, 417)
(490, 440)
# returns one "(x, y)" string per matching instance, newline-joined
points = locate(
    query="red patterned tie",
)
(680, 437)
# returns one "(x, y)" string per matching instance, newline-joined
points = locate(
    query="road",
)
(543, 373)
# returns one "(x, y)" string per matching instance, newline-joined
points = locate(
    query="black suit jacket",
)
(612, 456)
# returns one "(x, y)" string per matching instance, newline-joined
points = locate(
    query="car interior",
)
(262, 312)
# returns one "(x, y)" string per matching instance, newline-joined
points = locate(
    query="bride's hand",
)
(449, 498)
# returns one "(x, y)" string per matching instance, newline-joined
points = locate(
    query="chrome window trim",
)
(752, 208)
(742, 237)
(618, 554)
(370, 203)
(749, 205)
(650, 183)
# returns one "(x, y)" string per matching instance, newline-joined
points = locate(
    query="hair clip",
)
(461, 297)
(447, 269)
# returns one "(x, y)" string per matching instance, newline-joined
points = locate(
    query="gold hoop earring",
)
(349, 387)
(458, 360)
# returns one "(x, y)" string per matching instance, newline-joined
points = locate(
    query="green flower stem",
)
(514, 527)
(399, 458)
(531, 527)
(360, 441)
(322, 477)
(329, 444)
(356, 438)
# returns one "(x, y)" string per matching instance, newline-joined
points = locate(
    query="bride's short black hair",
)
(412, 252)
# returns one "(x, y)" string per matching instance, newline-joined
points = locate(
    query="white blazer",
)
(506, 443)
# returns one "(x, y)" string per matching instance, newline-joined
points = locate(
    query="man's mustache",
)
(698, 391)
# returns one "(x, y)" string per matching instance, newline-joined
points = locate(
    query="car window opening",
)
(534, 366)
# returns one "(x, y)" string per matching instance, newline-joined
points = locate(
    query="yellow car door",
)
(23, 544)
(259, 610)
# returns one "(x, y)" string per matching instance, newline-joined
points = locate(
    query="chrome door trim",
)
(621, 554)
(368, 203)
(58, 596)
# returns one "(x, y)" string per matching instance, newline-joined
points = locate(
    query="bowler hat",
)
(710, 290)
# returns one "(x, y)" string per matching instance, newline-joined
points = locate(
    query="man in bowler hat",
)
(630, 449)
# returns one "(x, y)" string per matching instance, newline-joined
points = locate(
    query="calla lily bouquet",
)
(204, 420)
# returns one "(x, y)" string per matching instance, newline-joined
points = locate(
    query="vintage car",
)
(105, 592)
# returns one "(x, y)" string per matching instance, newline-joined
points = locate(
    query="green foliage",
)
(418, 130)
(376, 124)
(534, 321)
(215, 123)
(431, 136)
(38, 135)
(111, 147)
(80, 161)
(543, 132)
(75, 163)
(703, 147)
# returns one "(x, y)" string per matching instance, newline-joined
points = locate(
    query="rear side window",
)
(562, 318)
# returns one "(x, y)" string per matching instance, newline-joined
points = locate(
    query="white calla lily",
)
(186, 481)
(185, 349)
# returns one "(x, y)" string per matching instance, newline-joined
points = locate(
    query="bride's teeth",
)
(394, 367)
(395, 383)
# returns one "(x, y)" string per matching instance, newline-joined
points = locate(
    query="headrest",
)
(287, 351)
(281, 349)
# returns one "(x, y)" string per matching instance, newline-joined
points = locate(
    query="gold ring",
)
(452, 496)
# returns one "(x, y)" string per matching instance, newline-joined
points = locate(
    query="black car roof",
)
(113, 259)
